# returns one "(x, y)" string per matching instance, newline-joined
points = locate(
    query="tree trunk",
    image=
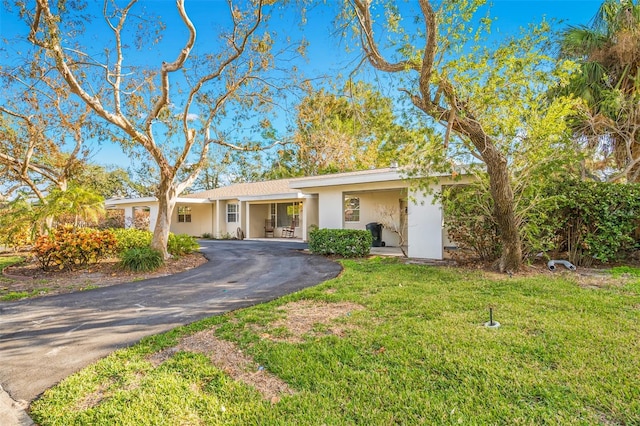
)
(166, 202)
(502, 195)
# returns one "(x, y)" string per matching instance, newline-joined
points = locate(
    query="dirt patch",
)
(588, 278)
(301, 319)
(308, 318)
(230, 359)
(95, 398)
(585, 277)
(29, 277)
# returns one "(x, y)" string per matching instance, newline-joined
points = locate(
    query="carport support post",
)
(247, 223)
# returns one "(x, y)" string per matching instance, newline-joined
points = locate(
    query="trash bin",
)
(376, 233)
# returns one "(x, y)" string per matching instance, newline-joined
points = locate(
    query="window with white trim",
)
(232, 213)
(351, 209)
(184, 214)
(272, 212)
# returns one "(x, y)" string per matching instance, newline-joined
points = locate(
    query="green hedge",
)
(598, 220)
(342, 242)
(130, 238)
(584, 222)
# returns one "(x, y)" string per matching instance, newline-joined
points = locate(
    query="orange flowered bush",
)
(70, 248)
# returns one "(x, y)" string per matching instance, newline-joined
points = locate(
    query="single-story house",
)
(339, 201)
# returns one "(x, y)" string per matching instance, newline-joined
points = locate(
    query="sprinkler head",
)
(491, 323)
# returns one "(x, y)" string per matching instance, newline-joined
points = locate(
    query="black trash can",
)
(376, 233)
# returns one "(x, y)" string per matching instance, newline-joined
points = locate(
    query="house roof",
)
(281, 188)
(288, 188)
(244, 190)
(362, 176)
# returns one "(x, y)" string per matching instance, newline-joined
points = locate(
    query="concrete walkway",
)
(44, 340)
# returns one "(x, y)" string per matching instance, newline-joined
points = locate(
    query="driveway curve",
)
(45, 340)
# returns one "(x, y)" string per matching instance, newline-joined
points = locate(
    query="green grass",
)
(618, 271)
(417, 354)
(7, 295)
(8, 261)
(17, 295)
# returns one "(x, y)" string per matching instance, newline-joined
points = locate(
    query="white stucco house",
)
(339, 201)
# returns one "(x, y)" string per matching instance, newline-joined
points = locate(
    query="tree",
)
(176, 109)
(81, 206)
(38, 124)
(485, 99)
(110, 181)
(354, 129)
(609, 82)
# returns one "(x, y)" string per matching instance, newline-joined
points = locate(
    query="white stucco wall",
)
(372, 205)
(153, 216)
(129, 207)
(310, 216)
(425, 226)
(424, 219)
(230, 227)
(200, 220)
(330, 208)
(256, 217)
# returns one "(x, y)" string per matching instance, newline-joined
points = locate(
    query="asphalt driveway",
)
(45, 340)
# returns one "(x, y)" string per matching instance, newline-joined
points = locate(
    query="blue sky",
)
(326, 55)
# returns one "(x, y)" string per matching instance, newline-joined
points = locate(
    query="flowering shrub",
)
(69, 248)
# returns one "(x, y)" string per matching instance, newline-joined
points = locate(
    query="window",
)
(287, 214)
(232, 213)
(351, 209)
(272, 212)
(184, 214)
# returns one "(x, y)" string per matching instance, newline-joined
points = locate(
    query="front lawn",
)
(383, 343)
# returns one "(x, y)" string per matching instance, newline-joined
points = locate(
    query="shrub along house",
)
(293, 207)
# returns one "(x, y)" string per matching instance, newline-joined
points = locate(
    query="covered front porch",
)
(286, 217)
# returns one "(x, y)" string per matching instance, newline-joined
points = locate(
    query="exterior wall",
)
(310, 217)
(323, 206)
(129, 214)
(153, 215)
(424, 219)
(218, 218)
(243, 208)
(258, 212)
(230, 228)
(371, 204)
(256, 217)
(200, 220)
(425, 226)
(330, 208)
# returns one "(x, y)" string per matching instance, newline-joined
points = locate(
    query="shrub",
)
(70, 248)
(131, 238)
(181, 244)
(343, 242)
(141, 259)
(469, 223)
(597, 220)
(17, 237)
